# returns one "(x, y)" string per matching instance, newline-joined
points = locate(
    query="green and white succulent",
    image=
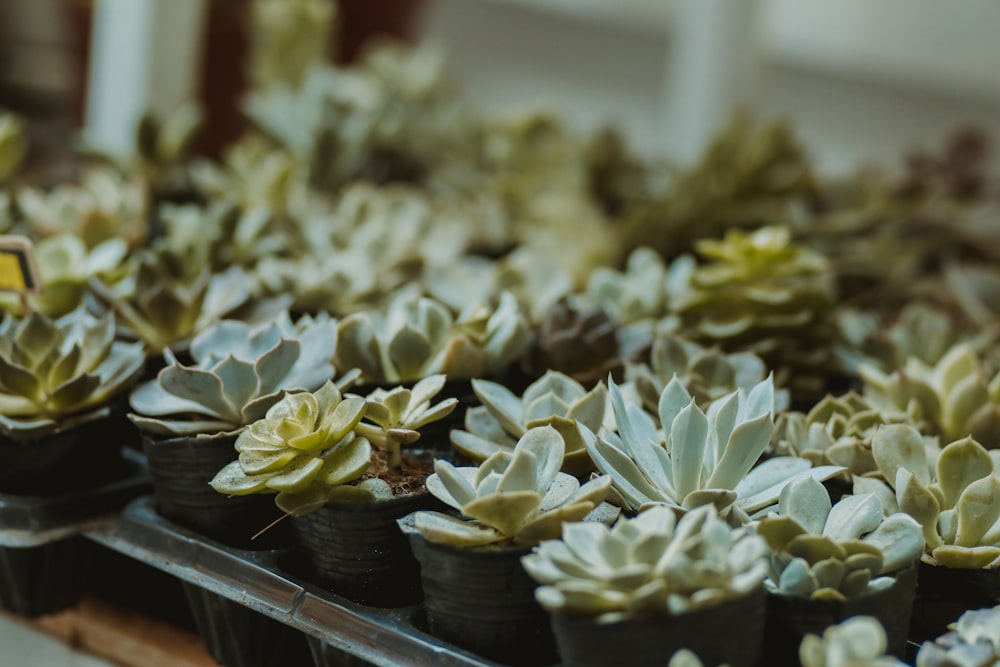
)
(973, 642)
(519, 497)
(835, 552)
(953, 493)
(640, 292)
(554, 400)
(699, 457)
(57, 374)
(859, 641)
(240, 371)
(653, 564)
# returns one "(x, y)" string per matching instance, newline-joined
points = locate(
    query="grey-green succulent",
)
(640, 292)
(518, 496)
(653, 564)
(953, 493)
(240, 371)
(699, 457)
(56, 374)
(835, 552)
(974, 641)
(554, 400)
(859, 641)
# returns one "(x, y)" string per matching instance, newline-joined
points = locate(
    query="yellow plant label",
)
(17, 265)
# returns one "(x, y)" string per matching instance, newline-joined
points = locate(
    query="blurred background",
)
(861, 80)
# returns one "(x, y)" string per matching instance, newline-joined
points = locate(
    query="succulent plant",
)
(240, 371)
(415, 338)
(953, 493)
(651, 564)
(287, 38)
(56, 374)
(165, 313)
(858, 641)
(577, 339)
(397, 413)
(707, 373)
(835, 552)
(66, 266)
(518, 497)
(973, 642)
(554, 400)
(837, 431)
(762, 293)
(955, 398)
(976, 290)
(252, 173)
(700, 457)
(638, 293)
(304, 449)
(13, 146)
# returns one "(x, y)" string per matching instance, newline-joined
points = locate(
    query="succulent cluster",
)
(832, 552)
(518, 496)
(653, 564)
(974, 642)
(859, 641)
(554, 400)
(56, 374)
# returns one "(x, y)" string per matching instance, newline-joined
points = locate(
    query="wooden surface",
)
(124, 637)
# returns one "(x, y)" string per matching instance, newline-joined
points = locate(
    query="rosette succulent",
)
(651, 564)
(577, 339)
(955, 398)
(762, 293)
(554, 400)
(835, 552)
(518, 496)
(640, 292)
(859, 641)
(953, 493)
(56, 374)
(699, 457)
(974, 642)
(240, 371)
(415, 338)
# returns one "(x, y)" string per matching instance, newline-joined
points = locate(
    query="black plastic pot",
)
(357, 550)
(237, 636)
(182, 468)
(729, 633)
(481, 599)
(42, 580)
(944, 594)
(789, 618)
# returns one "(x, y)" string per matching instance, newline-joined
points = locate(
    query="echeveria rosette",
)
(240, 371)
(635, 294)
(518, 497)
(833, 552)
(305, 450)
(700, 457)
(56, 374)
(953, 493)
(397, 414)
(974, 641)
(859, 641)
(653, 564)
(555, 400)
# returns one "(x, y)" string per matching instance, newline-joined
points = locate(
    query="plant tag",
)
(18, 270)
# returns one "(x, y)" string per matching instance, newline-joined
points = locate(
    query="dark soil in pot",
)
(944, 594)
(482, 600)
(789, 618)
(182, 468)
(356, 549)
(729, 633)
(42, 580)
(237, 636)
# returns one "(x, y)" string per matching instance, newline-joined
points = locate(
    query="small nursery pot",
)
(481, 599)
(729, 633)
(182, 468)
(356, 549)
(945, 593)
(790, 618)
(42, 580)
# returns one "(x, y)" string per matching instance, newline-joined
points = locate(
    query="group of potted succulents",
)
(585, 408)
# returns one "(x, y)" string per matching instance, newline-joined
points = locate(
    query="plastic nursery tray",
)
(256, 580)
(29, 521)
